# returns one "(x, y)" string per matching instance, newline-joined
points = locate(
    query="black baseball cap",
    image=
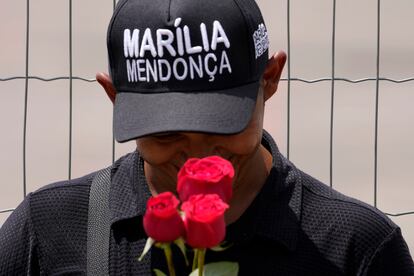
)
(185, 65)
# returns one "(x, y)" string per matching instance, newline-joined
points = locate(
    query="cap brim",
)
(220, 112)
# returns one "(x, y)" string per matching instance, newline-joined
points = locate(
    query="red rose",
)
(162, 222)
(204, 220)
(210, 175)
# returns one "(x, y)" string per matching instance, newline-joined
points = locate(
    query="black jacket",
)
(295, 226)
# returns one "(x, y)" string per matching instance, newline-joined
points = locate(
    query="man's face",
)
(165, 153)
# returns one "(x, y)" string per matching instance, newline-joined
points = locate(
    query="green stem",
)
(201, 257)
(195, 259)
(168, 256)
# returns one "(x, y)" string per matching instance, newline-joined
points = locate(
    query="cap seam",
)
(109, 35)
(151, 90)
(169, 10)
(247, 37)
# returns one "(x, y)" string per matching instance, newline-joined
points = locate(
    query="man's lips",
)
(231, 159)
(178, 166)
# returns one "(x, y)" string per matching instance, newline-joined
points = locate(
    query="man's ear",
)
(105, 81)
(272, 74)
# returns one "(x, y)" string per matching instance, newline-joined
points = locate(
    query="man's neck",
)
(249, 184)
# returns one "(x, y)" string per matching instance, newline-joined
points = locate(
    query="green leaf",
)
(180, 243)
(194, 273)
(219, 269)
(159, 272)
(223, 246)
(162, 245)
(148, 245)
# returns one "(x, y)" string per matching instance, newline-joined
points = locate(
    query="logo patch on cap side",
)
(261, 40)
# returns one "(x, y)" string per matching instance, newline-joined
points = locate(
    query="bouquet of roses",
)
(205, 189)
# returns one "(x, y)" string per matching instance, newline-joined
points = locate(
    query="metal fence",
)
(333, 78)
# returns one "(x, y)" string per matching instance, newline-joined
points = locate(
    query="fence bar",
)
(332, 94)
(350, 81)
(288, 81)
(46, 79)
(282, 79)
(376, 106)
(70, 91)
(6, 211)
(113, 135)
(26, 92)
(400, 214)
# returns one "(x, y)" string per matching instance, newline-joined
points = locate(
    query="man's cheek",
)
(156, 155)
(244, 146)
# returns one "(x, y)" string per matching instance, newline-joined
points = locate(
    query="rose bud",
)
(210, 175)
(162, 222)
(204, 220)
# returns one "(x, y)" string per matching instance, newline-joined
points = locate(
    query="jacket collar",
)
(129, 190)
(274, 214)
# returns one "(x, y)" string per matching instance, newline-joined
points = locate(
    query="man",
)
(190, 78)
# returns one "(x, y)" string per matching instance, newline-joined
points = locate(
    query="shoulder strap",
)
(98, 224)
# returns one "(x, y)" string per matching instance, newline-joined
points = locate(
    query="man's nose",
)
(200, 145)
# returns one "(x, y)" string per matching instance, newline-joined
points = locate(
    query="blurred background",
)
(327, 128)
